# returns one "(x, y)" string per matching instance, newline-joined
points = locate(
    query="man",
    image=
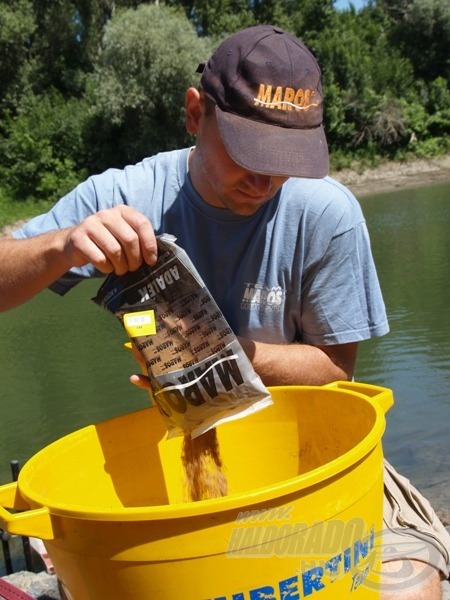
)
(282, 247)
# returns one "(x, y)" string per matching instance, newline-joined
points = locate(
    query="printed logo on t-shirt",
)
(262, 298)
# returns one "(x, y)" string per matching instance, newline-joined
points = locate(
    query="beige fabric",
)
(412, 529)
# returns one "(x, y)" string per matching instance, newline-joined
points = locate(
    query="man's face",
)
(219, 180)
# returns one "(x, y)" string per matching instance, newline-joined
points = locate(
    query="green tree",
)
(57, 46)
(309, 18)
(216, 18)
(17, 26)
(66, 41)
(149, 58)
(421, 30)
(364, 80)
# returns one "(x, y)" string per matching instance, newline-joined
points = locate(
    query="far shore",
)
(392, 176)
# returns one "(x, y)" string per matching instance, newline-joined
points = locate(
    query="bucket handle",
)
(383, 396)
(28, 522)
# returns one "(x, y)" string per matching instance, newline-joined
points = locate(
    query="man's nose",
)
(259, 182)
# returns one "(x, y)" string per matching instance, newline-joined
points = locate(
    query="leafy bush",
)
(43, 147)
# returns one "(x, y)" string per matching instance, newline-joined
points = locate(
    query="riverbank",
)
(391, 176)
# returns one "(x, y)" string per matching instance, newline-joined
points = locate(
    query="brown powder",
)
(203, 466)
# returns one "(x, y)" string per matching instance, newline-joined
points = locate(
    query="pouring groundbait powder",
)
(205, 477)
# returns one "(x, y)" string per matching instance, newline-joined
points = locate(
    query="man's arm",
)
(301, 364)
(119, 239)
(287, 364)
(29, 266)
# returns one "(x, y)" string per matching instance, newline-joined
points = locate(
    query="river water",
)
(410, 232)
(62, 365)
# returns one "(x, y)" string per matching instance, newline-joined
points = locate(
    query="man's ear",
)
(194, 105)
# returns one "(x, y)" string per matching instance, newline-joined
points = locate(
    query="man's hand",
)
(140, 380)
(118, 239)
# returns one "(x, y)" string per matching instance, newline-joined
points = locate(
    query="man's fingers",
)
(146, 236)
(141, 381)
(119, 239)
(82, 249)
(121, 245)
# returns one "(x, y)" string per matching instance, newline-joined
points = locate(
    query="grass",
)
(12, 211)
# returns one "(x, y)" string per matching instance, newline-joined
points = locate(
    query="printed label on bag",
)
(140, 323)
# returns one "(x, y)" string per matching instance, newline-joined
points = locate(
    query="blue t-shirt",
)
(298, 270)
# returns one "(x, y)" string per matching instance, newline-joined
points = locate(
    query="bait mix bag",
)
(199, 374)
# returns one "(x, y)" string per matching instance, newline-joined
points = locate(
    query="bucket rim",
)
(230, 502)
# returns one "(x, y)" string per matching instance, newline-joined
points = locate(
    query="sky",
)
(344, 4)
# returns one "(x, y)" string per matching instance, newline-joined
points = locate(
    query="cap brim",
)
(274, 150)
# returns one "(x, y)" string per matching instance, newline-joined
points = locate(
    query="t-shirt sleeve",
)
(341, 299)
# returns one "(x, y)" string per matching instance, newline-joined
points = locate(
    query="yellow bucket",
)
(302, 516)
